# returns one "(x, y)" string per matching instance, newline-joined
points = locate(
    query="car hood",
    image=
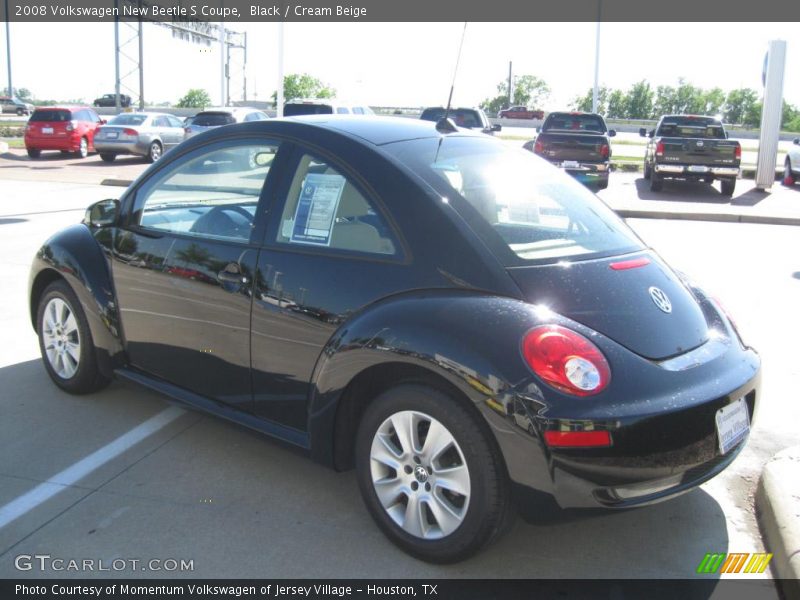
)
(620, 301)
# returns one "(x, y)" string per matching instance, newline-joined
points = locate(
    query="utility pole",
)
(8, 50)
(595, 90)
(117, 100)
(222, 63)
(141, 62)
(510, 86)
(279, 95)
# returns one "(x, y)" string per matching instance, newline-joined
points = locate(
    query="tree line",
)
(741, 106)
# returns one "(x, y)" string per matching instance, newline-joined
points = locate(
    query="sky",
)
(405, 64)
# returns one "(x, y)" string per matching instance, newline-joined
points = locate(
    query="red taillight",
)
(660, 149)
(577, 439)
(72, 125)
(131, 132)
(566, 360)
(630, 264)
(737, 153)
(604, 151)
(538, 147)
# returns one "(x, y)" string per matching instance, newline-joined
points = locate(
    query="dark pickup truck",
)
(111, 100)
(577, 142)
(692, 148)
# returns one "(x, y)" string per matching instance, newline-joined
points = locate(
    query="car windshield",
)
(691, 127)
(128, 120)
(574, 122)
(51, 115)
(213, 119)
(297, 110)
(524, 209)
(461, 116)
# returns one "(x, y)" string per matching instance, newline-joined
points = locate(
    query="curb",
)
(778, 510)
(117, 182)
(630, 213)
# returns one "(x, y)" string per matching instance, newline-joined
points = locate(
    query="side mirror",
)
(612, 133)
(651, 133)
(538, 130)
(102, 214)
(497, 127)
(796, 141)
(642, 132)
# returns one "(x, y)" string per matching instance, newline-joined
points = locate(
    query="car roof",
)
(376, 130)
(230, 109)
(69, 108)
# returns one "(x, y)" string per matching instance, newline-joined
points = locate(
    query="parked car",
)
(144, 134)
(577, 142)
(791, 166)
(382, 295)
(68, 129)
(111, 100)
(324, 106)
(520, 112)
(218, 117)
(469, 118)
(10, 104)
(691, 148)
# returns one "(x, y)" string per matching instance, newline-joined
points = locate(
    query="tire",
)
(788, 177)
(83, 149)
(65, 341)
(656, 183)
(20, 112)
(33, 153)
(108, 156)
(648, 171)
(727, 186)
(449, 525)
(602, 183)
(155, 152)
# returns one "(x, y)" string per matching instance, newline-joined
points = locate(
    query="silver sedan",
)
(143, 134)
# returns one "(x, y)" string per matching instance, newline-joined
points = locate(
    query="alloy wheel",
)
(62, 343)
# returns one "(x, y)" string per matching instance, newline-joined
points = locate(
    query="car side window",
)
(324, 208)
(254, 116)
(358, 110)
(175, 122)
(213, 194)
(342, 110)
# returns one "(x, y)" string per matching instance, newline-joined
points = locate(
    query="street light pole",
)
(8, 50)
(595, 90)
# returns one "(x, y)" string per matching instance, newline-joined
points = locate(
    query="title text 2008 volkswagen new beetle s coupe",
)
(445, 313)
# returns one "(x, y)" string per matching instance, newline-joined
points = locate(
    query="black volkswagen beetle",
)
(446, 314)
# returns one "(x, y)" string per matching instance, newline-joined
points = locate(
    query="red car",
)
(69, 129)
(520, 112)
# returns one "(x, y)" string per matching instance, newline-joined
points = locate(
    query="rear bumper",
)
(119, 147)
(582, 168)
(696, 170)
(70, 143)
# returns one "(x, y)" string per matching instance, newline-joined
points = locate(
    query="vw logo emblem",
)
(660, 299)
(421, 474)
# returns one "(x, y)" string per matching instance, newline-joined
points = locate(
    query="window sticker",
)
(316, 209)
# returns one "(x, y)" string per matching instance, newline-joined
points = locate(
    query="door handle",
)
(232, 274)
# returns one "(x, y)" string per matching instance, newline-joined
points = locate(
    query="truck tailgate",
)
(570, 146)
(699, 151)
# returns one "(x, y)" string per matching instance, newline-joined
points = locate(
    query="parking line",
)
(69, 476)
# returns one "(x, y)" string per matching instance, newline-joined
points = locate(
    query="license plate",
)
(570, 164)
(47, 130)
(698, 169)
(112, 135)
(733, 424)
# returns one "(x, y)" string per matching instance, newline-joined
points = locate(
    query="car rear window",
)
(213, 119)
(51, 115)
(460, 116)
(572, 122)
(297, 110)
(524, 209)
(691, 127)
(128, 120)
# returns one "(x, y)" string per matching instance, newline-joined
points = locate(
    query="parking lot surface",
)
(238, 505)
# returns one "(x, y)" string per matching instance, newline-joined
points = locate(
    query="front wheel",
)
(20, 112)
(66, 342)
(788, 176)
(727, 186)
(429, 476)
(154, 153)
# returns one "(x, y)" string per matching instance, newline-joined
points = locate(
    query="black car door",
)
(330, 248)
(184, 265)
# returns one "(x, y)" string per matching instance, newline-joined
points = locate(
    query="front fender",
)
(75, 255)
(469, 339)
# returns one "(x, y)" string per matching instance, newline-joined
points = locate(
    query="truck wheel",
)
(788, 176)
(656, 183)
(602, 183)
(648, 171)
(728, 185)
(429, 475)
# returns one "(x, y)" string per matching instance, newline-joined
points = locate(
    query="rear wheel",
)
(20, 112)
(66, 342)
(788, 176)
(656, 183)
(108, 156)
(602, 183)
(83, 149)
(647, 170)
(727, 186)
(33, 153)
(429, 476)
(155, 152)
